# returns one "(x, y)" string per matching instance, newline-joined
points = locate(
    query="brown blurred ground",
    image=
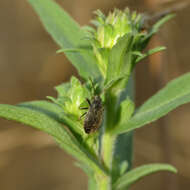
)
(30, 68)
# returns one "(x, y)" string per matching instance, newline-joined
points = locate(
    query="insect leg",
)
(85, 108)
(88, 101)
(82, 115)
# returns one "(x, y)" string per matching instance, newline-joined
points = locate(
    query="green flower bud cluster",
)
(114, 26)
(110, 30)
(71, 96)
(122, 30)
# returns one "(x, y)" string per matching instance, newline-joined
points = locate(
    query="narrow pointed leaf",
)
(35, 119)
(68, 35)
(46, 107)
(161, 22)
(155, 28)
(69, 50)
(40, 120)
(150, 52)
(56, 112)
(176, 93)
(136, 174)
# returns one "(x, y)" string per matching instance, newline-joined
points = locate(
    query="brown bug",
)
(94, 115)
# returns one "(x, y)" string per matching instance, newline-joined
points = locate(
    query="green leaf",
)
(69, 50)
(150, 52)
(48, 108)
(155, 28)
(136, 174)
(161, 22)
(176, 93)
(39, 120)
(137, 53)
(92, 185)
(68, 35)
(55, 112)
(112, 82)
(123, 152)
(126, 110)
(62, 89)
(123, 167)
(117, 65)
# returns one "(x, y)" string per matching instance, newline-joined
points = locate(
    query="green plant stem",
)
(107, 149)
(108, 143)
(103, 182)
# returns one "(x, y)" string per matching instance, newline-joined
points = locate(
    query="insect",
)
(94, 115)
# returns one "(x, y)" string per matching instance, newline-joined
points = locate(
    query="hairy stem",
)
(104, 183)
(108, 142)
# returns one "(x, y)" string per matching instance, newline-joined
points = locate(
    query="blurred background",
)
(30, 68)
